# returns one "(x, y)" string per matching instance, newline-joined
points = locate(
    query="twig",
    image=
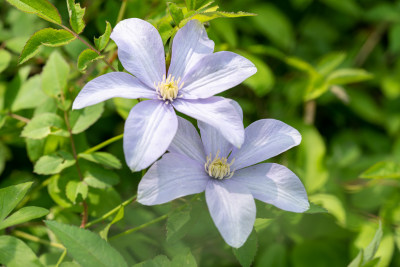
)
(103, 144)
(18, 117)
(121, 11)
(36, 239)
(309, 112)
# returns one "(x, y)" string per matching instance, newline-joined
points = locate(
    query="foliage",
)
(328, 68)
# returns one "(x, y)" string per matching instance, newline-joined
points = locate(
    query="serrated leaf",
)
(55, 75)
(86, 247)
(24, 214)
(41, 8)
(76, 14)
(246, 253)
(15, 253)
(82, 119)
(5, 58)
(103, 40)
(207, 16)
(175, 12)
(314, 208)
(87, 56)
(54, 163)
(103, 158)
(47, 37)
(119, 216)
(166, 30)
(346, 76)
(191, 4)
(176, 224)
(383, 170)
(185, 258)
(76, 188)
(42, 125)
(10, 197)
(30, 95)
(100, 178)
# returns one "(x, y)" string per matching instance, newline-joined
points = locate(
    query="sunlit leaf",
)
(24, 214)
(44, 124)
(76, 14)
(87, 56)
(54, 163)
(55, 75)
(15, 253)
(102, 41)
(383, 170)
(11, 196)
(82, 119)
(75, 189)
(103, 158)
(41, 8)
(5, 58)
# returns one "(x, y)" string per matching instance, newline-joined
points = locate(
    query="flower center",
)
(168, 88)
(219, 168)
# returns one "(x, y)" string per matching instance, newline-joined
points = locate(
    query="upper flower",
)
(195, 75)
(227, 174)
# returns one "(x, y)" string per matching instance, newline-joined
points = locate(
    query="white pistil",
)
(219, 168)
(168, 88)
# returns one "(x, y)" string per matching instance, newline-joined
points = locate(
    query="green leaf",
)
(383, 170)
(54, 163)
(246, 253)
(10, 197)
(24, 214)
(86, 247)
(314, 208)
(100, 178)
(103, 40)
(103, 158)
(47, 37)
(15, 253)
(330, 62)
(357, 262)
(76, 14)
(191, 4)
(119, 216)
(184, 258)
(346, 76)
(76, 188)
(82, 119)
(55, 75)
(166, 30)
(5, 58)
(177, 224)
(175, 12)
(371, 249)
(158, 261)
(30, 95)
(43, 125)
(41, 8)
(87, 56)
(333, 204)
(207, 16)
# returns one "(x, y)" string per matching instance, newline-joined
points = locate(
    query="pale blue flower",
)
(195, 75)
(228, 175)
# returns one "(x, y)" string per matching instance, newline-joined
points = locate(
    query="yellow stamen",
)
(168, 88)
(219, 168)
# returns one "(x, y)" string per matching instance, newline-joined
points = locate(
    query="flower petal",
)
(190, 44)
(218, 112)
(149, 129)
(216, 73)
(274, 184)
(166, 180)
(264, 139)
(140, 50)
(187, 142)
(232, 209)
(114, 84)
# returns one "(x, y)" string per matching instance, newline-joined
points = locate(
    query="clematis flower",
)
(228, 175)
(194, 76)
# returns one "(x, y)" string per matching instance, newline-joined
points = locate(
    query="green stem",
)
(156, 220)
(103, 144)
(121, 11)
(37, 239)
(60, 260)
(111, 212)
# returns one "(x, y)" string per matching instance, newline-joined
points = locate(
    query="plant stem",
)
(156, 220)
(18, 117)
(60, 260)
(121, 11)
(309, 112)
(88, 45)
(103, 144)
(111, 212)
(37, 239)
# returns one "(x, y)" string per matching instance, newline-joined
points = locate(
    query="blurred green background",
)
(328, 68)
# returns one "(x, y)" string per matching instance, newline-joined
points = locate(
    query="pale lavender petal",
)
(190, 44)
(140, 50)
(213, 140)
(171, 177)
(264, 139)
(274, 184)
(114, 84)
(187, 142)
(216, 73)
(218, 112)
(232, 209)
(149, 129)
